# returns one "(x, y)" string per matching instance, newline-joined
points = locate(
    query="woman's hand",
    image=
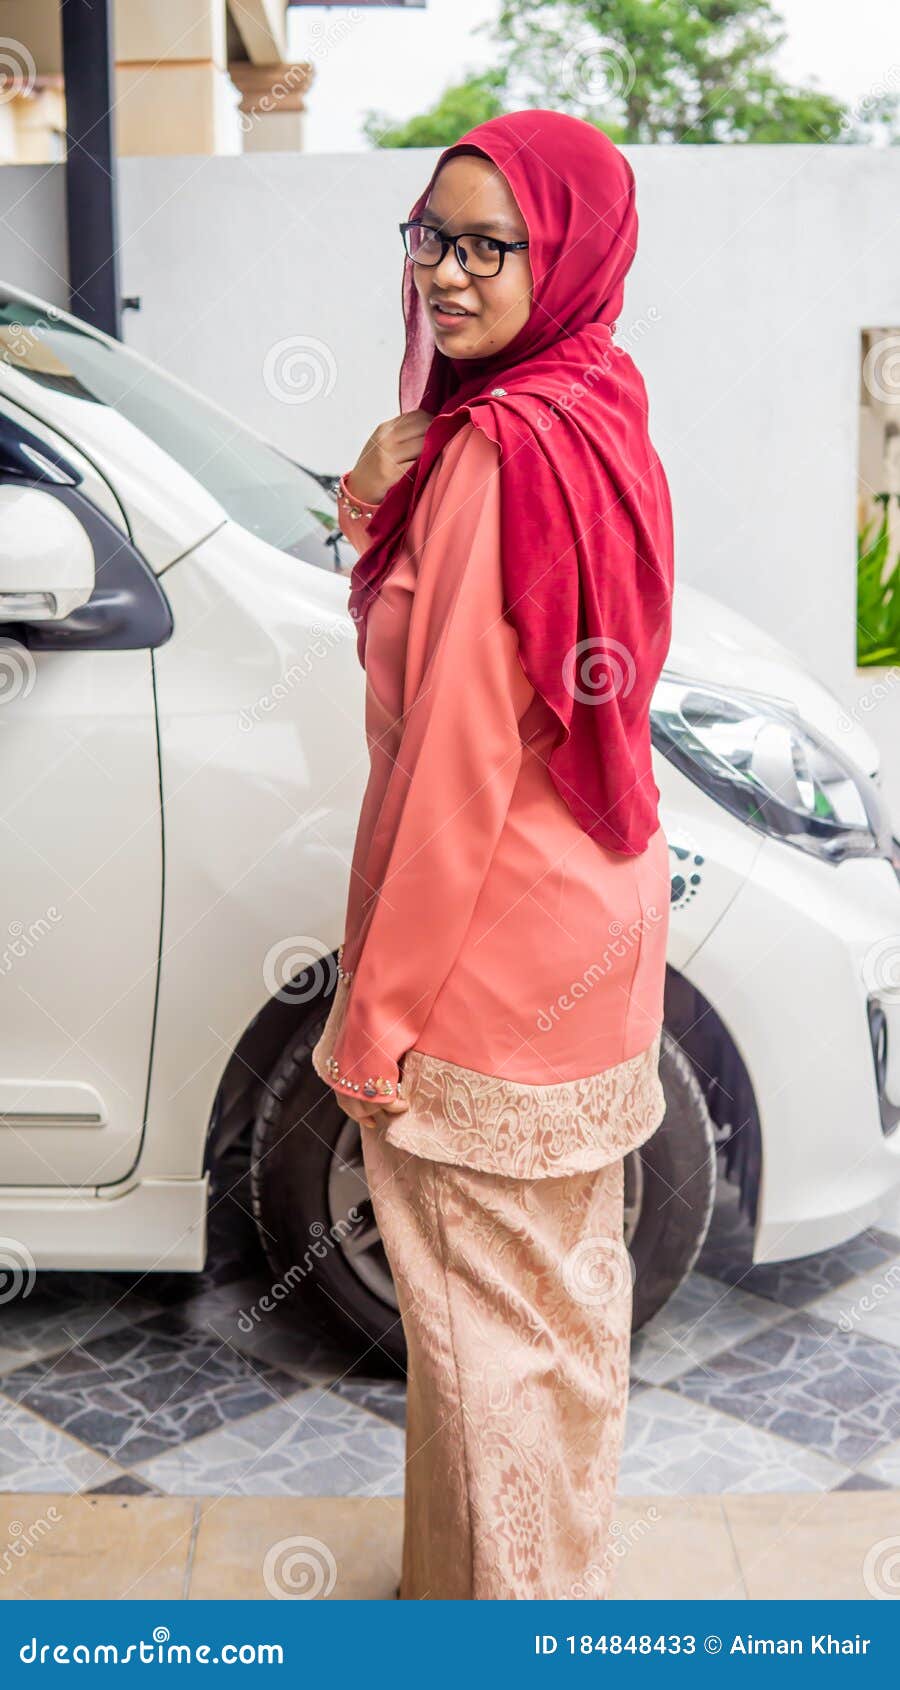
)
(394, 445)
(368, 1111)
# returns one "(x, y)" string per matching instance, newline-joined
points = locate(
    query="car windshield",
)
(259, 486)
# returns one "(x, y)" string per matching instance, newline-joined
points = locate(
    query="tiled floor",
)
(146, 1547)
(752, 1380)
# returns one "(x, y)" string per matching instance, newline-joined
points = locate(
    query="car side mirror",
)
(46, 557)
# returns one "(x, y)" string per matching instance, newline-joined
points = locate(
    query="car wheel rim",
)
(353, 1223)
(355, 1228)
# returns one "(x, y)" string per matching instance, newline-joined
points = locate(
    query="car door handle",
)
(21, 607)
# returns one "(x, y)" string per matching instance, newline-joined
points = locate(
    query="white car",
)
(183, 758)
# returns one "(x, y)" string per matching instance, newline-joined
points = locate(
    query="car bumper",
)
(800, 968)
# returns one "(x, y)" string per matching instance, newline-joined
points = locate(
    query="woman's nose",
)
(450, 271)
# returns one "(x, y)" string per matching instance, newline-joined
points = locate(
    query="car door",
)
(81, 842)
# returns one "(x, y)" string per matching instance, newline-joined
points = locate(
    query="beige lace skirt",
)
(506, 1127)
(515, 1297)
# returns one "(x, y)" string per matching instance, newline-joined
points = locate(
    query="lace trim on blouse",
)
(507, 1127)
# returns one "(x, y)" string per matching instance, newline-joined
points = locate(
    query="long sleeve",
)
(453, 762)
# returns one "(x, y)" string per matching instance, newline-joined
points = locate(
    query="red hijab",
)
(586, 518)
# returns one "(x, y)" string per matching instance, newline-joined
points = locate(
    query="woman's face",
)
(470, 195)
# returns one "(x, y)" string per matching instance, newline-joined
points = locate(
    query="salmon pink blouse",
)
(499, 967)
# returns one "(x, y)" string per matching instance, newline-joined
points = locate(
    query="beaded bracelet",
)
(343, 973)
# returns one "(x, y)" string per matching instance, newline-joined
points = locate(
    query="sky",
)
(399, 60)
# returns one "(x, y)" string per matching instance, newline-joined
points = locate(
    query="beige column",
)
(32, 121)
(173, 91)
(32, 111)
(272, 104)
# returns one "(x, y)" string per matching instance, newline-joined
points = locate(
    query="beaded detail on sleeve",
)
(323, 1059)
(354, 507)
(503, 1126)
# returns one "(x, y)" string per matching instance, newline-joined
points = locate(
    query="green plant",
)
(877, 595)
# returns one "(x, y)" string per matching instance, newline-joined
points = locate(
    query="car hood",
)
(712, 643)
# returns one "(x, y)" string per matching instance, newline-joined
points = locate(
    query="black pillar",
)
(88, 64)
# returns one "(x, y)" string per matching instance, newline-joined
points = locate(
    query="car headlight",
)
(757, 757)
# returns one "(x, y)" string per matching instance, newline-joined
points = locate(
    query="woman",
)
(496, 1024)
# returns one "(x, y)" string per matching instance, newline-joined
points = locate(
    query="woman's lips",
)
(450, 319)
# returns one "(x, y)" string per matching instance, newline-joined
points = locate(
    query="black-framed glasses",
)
(479, 255)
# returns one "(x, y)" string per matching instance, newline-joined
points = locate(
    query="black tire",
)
(307, 1172)
(670, 1188)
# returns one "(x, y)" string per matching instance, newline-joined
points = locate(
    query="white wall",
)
(757, 268)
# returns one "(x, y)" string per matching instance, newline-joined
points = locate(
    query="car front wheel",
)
(315, 1216)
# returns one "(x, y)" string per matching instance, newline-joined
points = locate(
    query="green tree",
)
(458, 109)
(646, 70)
